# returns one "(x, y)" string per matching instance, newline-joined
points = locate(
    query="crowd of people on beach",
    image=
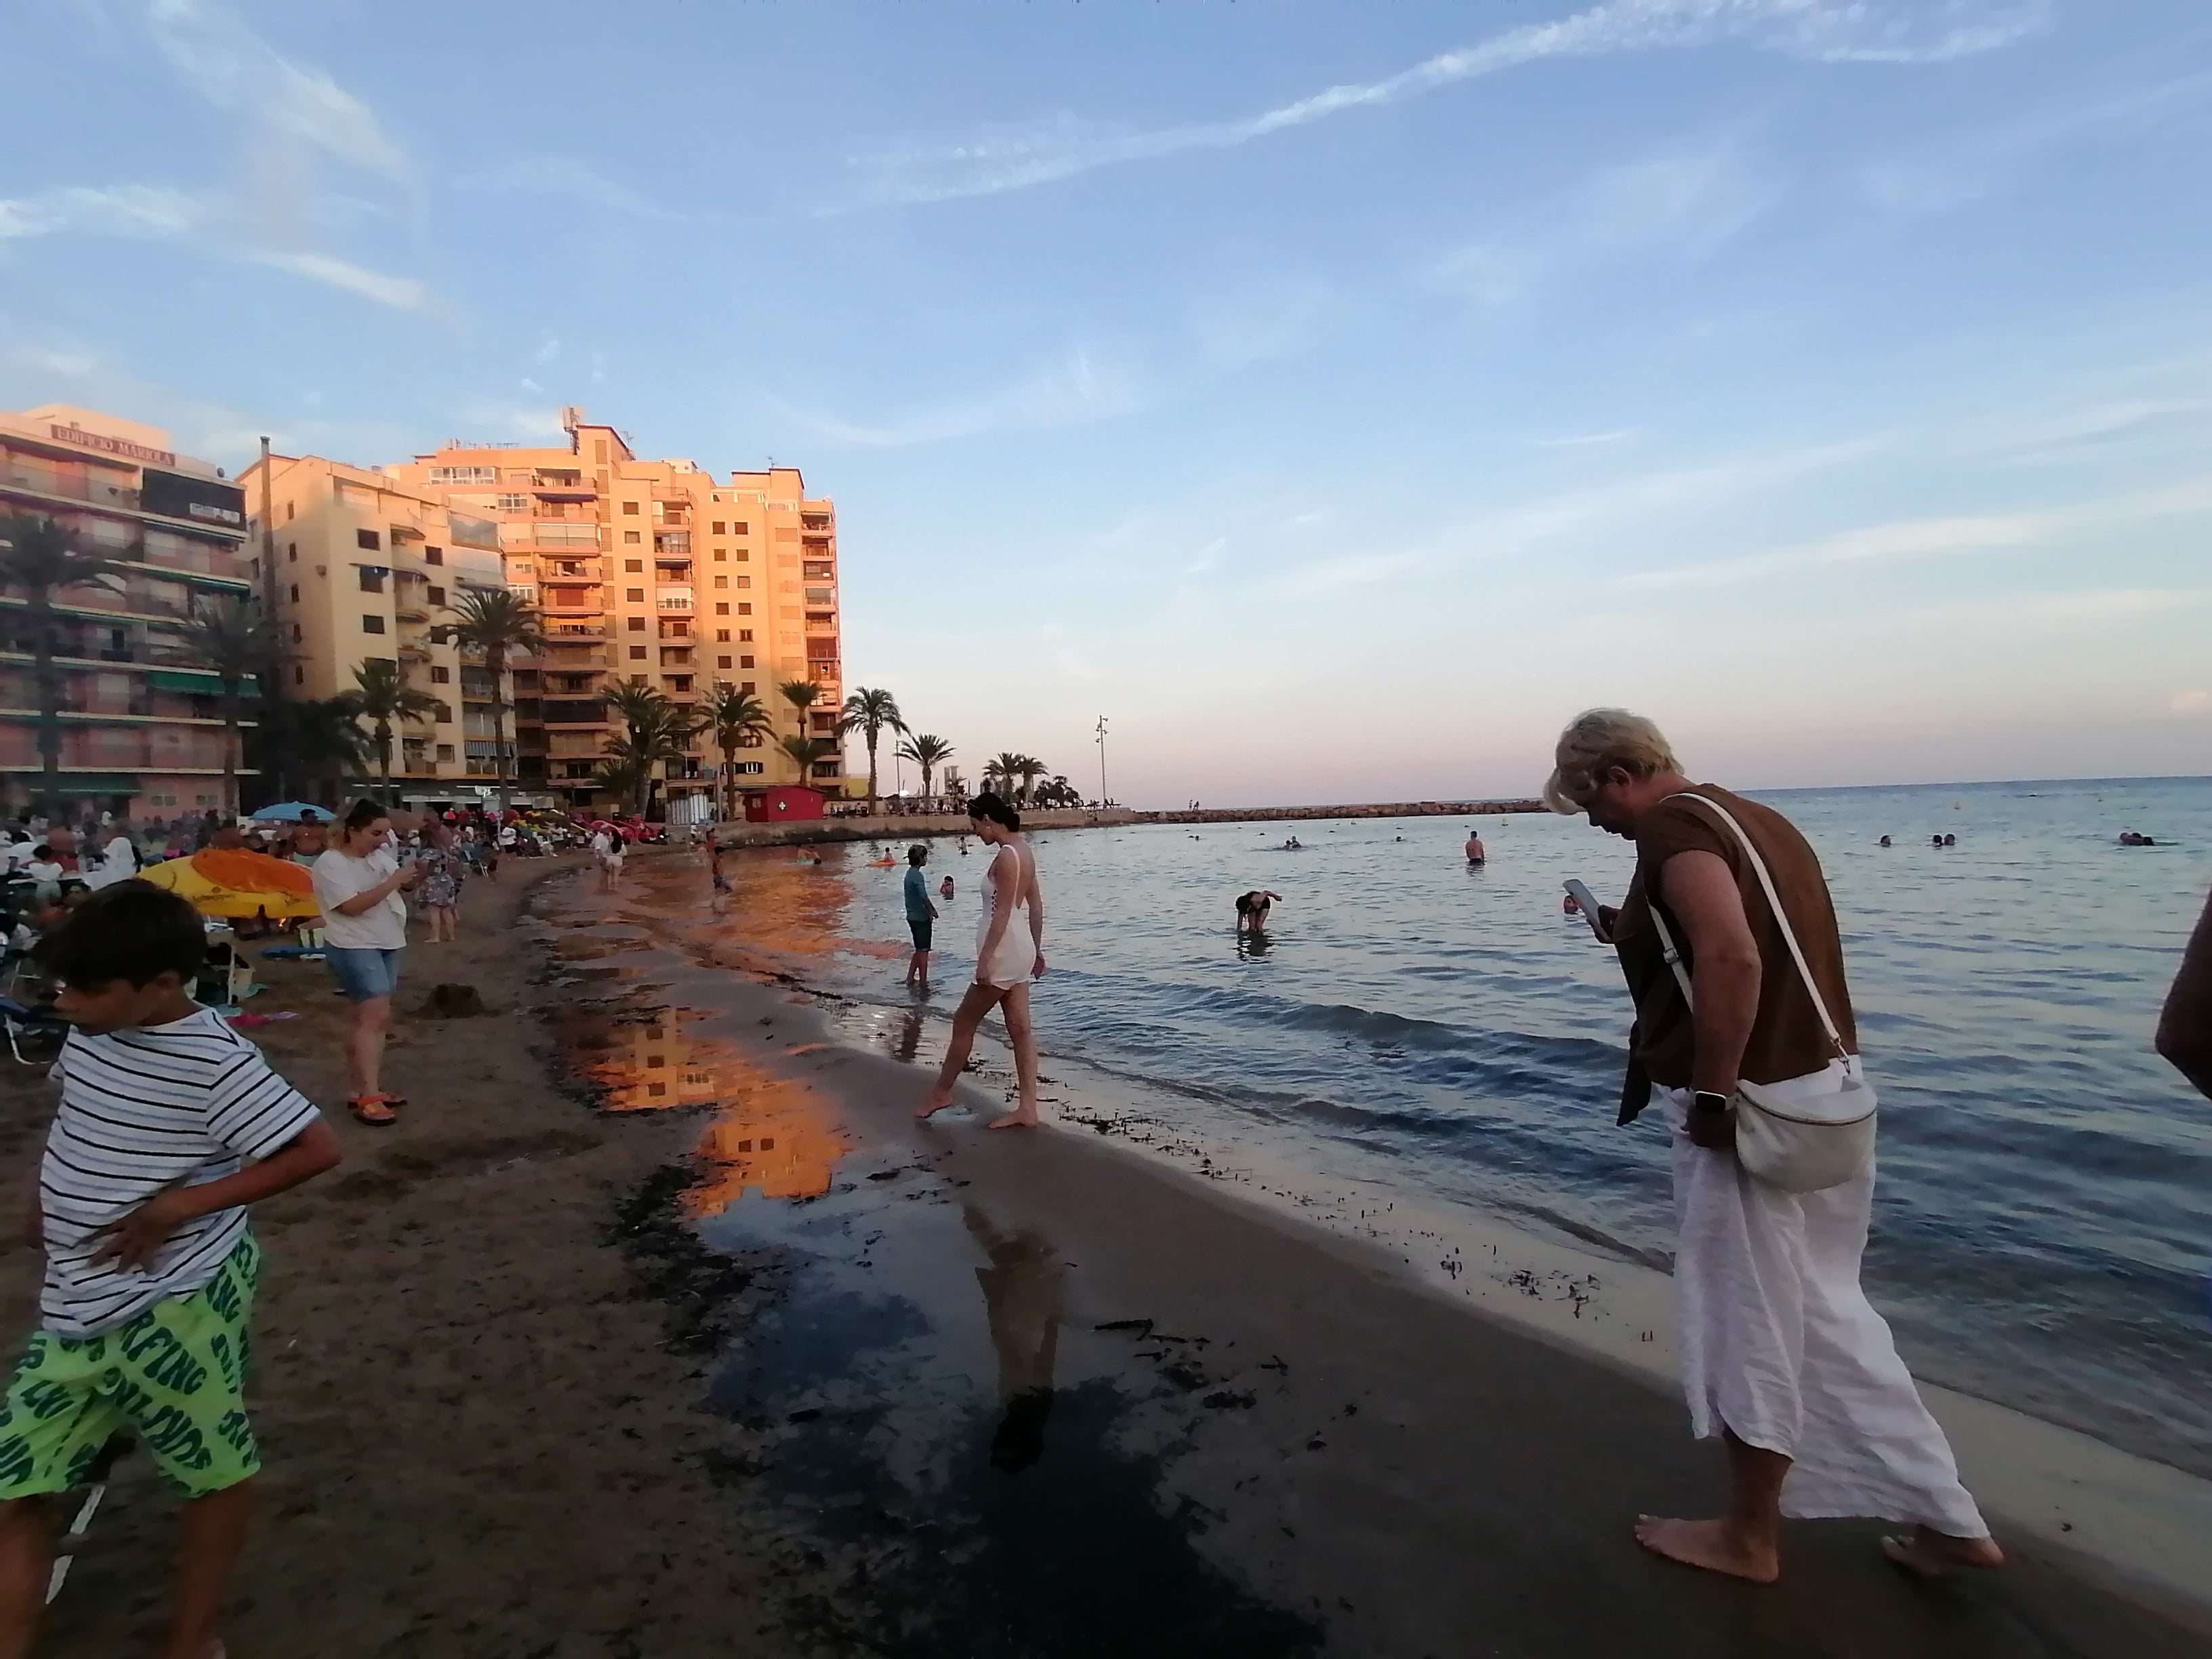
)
(171, 1125)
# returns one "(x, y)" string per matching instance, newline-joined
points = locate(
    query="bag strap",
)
(1781, 918)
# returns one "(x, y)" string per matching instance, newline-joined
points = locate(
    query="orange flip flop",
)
(374, 1110)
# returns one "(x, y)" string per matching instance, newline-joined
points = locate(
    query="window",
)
(635, 624)
(433, 555)
(637, 653)
(437, 596)
(445, 751)
(632, 539)
(441, 676)
(372, 581)
(299, 675)
(445, 714)
(749, 768)
(744, 607)
(629, 509)
(296, 635)
(721, 662)
(721, 557)
(718, 526)
(464, 474)
(744, 662)
(291, 552)
(721, 581)
(599, 450)
(288, 513)
(632, 566)
(722, 637)
(748, 686)
(722, 608)
(634, 595)
(371, 624)
(368, 538)
(746, 635)
(512, 503)
(744, 581)
(679, 682)
(295, 592)
(739, 529)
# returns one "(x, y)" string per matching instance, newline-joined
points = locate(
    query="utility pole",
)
(1102, 760)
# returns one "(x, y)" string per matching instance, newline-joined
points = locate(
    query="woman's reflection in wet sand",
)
(1025, 1291)
(907, 1042)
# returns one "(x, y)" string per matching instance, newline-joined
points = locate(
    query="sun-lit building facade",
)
(142, 722)
(370, 569)
(659, 573)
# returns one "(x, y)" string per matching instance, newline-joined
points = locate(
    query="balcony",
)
(68, 486)
(821, 624)
(557, 632)
(680, 602)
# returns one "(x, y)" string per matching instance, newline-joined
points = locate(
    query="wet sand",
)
(930, 1391)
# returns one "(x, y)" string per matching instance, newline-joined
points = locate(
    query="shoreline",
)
(2072, 1510)
(736, 833)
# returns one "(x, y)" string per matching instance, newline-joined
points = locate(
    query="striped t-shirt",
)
(145, 1108)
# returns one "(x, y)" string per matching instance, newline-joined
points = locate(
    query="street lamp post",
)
(1102, 760)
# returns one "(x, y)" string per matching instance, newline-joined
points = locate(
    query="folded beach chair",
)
(35, 1035)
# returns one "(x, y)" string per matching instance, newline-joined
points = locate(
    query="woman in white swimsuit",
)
(1008, 957)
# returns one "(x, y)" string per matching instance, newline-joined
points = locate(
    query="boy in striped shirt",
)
(170, 1125)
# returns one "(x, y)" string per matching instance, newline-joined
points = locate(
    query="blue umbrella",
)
(294, 811)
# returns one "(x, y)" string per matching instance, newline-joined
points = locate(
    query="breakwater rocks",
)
(917, 828)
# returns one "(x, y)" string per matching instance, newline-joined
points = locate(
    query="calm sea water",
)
(2042, 1235)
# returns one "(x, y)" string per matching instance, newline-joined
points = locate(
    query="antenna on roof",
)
(571, 418)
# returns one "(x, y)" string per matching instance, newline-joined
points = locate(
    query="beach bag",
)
(1804, 1146)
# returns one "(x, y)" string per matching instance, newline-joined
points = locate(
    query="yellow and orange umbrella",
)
(222, 882)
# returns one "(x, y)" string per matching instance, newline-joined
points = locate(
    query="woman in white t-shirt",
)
(358, 883)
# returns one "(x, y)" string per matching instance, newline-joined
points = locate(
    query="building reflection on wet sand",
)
(774, 1135)
(780, 912)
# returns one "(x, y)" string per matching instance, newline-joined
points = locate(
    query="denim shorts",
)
(363, 973)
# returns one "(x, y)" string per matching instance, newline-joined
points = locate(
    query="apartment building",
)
(142, 725)
(367, 570)
(659, 573)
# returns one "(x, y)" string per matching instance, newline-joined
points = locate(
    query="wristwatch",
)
(1705, 1100)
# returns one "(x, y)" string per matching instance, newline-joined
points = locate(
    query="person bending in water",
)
(1009, 958)
(1252, 910)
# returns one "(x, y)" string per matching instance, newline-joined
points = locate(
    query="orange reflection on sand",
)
(777, 909)
(775, 1135)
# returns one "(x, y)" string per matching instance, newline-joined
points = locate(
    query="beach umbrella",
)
(221, 882)
(294, 811)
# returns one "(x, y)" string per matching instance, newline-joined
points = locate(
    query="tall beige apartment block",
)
(367, 570)
(142, 729)
(656, 572)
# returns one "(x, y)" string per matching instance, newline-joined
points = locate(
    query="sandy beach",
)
(659, 1329)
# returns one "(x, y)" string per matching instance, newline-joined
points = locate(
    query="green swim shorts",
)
(173, 1375)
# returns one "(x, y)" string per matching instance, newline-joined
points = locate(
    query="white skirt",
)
(1780, 1346)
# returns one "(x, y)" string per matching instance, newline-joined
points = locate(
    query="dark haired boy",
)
(920, 916)
(170, 1125)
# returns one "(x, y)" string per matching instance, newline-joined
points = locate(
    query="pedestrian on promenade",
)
(1008, 957)
(358, 883)
(170, 1125)
(2184, 1026)
(920, 916)
(1782, 1356)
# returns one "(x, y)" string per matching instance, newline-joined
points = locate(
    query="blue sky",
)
(1337, 397)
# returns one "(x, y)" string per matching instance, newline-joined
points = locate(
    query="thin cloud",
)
(1909, 539)
(403, 293)
(108, 210)
(1083, 388)
(1829, 30)
(217, 55)
(570, 181)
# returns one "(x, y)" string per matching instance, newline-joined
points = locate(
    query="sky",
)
(1335, 397)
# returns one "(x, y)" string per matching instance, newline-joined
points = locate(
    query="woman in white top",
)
(358, 883)
(1008, 957)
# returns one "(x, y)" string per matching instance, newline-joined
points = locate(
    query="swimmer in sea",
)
(1885, 841)
(1252, 910)
(1476, 853)
(1573, 907)
(945, 888)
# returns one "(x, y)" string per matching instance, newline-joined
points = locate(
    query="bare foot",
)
(933, 1102)
(1016, 1119)
(1712, 1545)
(1929, 1553)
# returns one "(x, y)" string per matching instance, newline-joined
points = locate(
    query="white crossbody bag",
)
(1805, 1146)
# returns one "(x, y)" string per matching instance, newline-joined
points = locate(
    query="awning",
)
(92, 783)
(197, 682)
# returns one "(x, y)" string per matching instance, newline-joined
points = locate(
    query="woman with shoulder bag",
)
(1744, 1024)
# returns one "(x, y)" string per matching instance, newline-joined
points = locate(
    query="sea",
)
(2042, 1235)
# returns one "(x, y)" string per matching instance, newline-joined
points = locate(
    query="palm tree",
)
(1028, 769)
(229, 637)
(41, 558)
(621, 774)
(381, 696)
(1001, 771)
(657, 730)
(868, 712)
(802, 696)
(736, 716)
(928, 750)
(312, 738)
(499, 622)
(805, 751)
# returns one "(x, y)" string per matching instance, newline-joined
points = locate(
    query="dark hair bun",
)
(365, 812)
(988, 805)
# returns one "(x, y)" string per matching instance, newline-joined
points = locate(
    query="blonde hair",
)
(1594, 742)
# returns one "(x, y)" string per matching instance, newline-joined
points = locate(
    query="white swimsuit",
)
(1015, 961)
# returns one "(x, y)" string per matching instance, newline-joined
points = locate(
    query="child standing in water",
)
(920, 916)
